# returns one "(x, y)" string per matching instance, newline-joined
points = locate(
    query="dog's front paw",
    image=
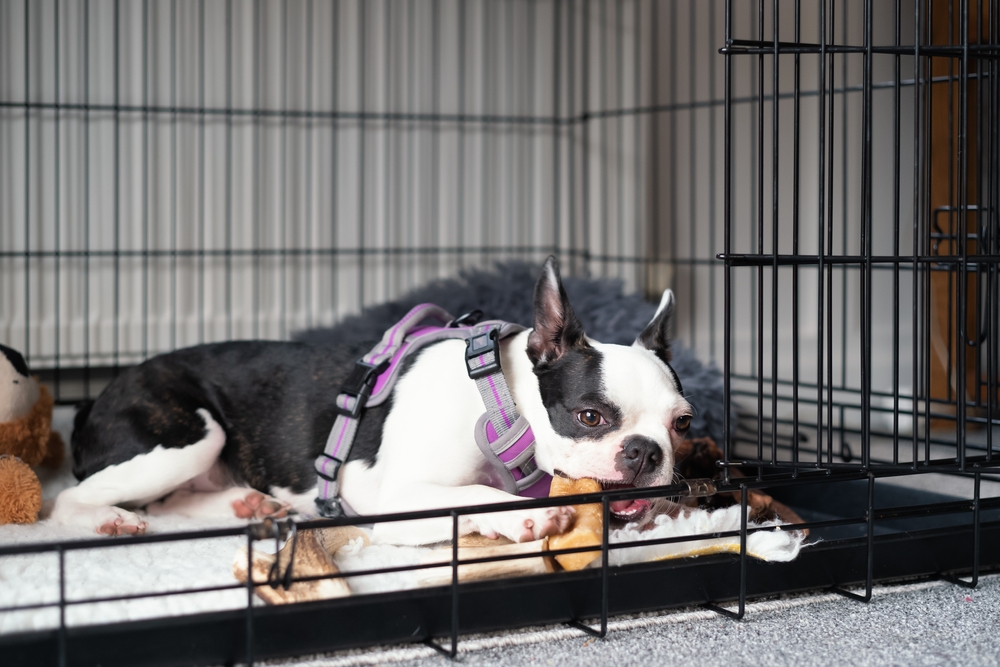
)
(536, 524)
(255, 505)
(121, 522)
(104, 519)
(557, 520)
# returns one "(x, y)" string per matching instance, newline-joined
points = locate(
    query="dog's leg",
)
(241, 501)
(137, 481)
(517, 525)
(214, 495)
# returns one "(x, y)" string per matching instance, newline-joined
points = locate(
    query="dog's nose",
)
(640, 454)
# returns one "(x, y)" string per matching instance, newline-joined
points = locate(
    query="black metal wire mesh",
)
(862, 332)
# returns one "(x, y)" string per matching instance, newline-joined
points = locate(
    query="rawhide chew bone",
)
(518, 567)
(478, 540)
(587, 525)
(311, 559)
(334, 539)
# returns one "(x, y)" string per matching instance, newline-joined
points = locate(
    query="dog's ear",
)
(557, 329)
(656, 335)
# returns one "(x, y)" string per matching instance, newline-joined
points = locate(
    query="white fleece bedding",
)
(183, 565)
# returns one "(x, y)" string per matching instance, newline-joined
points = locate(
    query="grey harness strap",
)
(502, 434)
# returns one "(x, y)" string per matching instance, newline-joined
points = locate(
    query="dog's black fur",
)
(274, 400)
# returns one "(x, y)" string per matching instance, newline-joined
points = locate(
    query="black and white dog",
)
(236, 427)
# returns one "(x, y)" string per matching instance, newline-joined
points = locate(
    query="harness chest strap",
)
(502, 434)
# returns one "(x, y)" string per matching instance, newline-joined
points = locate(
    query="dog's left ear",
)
(656, 335)
(557, 328)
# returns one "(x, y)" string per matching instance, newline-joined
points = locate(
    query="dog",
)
(235, 427)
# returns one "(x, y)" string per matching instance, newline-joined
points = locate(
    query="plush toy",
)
(26, 439)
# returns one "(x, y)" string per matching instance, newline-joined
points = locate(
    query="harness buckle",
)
(359, 384)
(478, 346)
(330, 508)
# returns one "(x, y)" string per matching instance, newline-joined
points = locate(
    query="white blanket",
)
(183, 565)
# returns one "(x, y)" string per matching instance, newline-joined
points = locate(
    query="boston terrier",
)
(236, 427)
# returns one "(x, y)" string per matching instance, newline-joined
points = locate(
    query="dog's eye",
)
(682, 423)
(591, 418)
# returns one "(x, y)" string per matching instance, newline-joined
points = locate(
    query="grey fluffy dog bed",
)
(506, 293)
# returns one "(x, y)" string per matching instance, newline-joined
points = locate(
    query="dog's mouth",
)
(626, 511)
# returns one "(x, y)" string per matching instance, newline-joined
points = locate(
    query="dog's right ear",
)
(656, 335)
(557, 328)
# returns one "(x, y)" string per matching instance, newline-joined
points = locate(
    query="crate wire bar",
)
(926, 402)
(182, 172)
(927, 260)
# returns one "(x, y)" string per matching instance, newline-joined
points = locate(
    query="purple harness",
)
(503, 435)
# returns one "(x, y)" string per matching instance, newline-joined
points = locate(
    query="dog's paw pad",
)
(558, 520)
(255, 505)
(528, 534)
(126, 529)
(551, 521)
(125, 523)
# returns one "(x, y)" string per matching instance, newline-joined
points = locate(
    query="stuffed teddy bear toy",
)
(26, 439)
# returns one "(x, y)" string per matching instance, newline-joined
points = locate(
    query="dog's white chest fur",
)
(429, 436)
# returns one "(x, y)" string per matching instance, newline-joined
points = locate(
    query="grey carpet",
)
(930, 623)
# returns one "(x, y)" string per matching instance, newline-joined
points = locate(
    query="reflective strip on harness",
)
(492, 387)
(502, 434)
(512, 456)
(394, 337)
(338, 446)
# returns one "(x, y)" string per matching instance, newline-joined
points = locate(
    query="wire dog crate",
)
(818, 181)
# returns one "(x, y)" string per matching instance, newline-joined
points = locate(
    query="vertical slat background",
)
(195, 170)
(247, 169)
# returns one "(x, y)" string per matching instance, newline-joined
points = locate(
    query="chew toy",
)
(313, 550)
(492, 570)
(26, 438)
(587, 526)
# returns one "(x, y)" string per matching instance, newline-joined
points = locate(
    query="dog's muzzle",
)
(640, 457)
(640, 461)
